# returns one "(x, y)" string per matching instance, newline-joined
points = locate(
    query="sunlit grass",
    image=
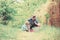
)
(13, 31)
(42, 33)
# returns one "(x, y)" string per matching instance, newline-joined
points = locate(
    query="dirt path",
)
(28, 36)
(32, 36)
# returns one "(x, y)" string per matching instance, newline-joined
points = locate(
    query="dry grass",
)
(44, 33)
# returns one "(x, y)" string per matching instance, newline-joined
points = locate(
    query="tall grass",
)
(43, 33)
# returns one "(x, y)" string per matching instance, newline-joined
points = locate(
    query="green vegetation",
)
(43, 33)
(47, 17)
(17, 13)
(13, 15)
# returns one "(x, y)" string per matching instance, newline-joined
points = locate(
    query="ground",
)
(42, 33)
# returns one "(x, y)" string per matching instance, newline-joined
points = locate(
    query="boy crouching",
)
(26, 27)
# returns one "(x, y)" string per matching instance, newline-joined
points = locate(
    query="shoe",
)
(31, 30)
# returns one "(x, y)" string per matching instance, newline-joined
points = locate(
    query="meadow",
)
(42, 33)
(20, 12)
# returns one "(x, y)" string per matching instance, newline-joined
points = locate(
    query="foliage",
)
(6, 11)
(47, 16)
(18, 12)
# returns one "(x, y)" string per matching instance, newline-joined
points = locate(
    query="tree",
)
(6, 11)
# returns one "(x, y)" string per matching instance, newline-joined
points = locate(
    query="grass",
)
(12, 31)
(42, 33)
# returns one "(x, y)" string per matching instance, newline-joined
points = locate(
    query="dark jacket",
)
(32, 22)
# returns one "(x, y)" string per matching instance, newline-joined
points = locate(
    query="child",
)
(26, 27)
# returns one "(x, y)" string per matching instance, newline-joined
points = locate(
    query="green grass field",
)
(24, 11)
(42, 33)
